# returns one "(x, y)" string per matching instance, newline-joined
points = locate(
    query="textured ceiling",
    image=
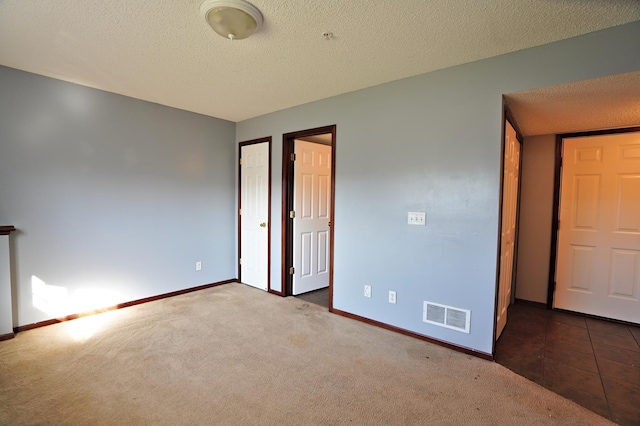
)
(163, 51)
(601, 103)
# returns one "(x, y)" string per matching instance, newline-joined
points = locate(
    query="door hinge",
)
(293, 156)
(240, 261)
(292, 214)
(241, 161)
(240, 212)
(292, 270)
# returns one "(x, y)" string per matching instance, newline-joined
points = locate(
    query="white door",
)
(254, 214)
(312, 201)
(509, 210)
(598, 266)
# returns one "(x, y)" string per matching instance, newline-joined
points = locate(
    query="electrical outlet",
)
(367, 291)
(392, 297)
(198, 266)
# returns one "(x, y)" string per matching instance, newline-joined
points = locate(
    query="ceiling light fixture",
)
(232, 19)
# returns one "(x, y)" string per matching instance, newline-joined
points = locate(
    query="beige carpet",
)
(233, 355)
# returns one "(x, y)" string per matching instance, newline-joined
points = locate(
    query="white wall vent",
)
(446, 316)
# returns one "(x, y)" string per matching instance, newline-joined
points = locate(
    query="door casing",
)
(553, 262)
(240, 145)
(288, 142)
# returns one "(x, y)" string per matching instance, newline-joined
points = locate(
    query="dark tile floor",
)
(594, 363)
(317, 297)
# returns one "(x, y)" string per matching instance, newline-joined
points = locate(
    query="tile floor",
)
(593, 362)
(318, 297)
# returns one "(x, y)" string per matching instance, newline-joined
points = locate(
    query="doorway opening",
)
(511, 165)
(510, 180)
(595, 254)
(308, 205)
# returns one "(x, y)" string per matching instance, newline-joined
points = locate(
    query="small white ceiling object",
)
(163, 51)
(232, 19)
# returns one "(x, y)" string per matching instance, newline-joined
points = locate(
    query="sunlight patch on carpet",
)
(57, 302)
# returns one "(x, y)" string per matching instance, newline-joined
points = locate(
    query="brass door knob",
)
(263, 225)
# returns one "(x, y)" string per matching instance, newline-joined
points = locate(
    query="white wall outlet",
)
(198, 266)
(417, 218)
(392, 297)
(367, 291)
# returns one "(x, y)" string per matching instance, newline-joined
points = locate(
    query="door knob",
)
(263, 225)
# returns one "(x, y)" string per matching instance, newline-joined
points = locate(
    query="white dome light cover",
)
(233, 19)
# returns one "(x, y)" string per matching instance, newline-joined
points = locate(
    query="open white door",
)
(312, 201)
(598, 259)
(509, 212)
(254, 214)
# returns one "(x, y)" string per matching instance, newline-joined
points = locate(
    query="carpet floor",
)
(234, 355)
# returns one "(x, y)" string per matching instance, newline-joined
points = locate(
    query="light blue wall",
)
(119, 198)
(113, 197)
(429, 143)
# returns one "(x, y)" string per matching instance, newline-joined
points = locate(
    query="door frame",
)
(557, 181)
(240, 145)
(288, 143)
(507, 116)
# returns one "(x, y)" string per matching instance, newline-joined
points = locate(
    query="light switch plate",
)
(417, 218)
